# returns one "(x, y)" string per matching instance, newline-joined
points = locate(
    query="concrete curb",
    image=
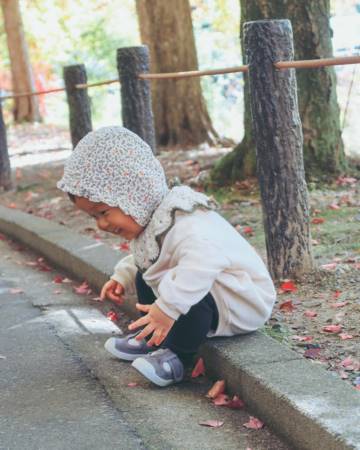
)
(308, 406)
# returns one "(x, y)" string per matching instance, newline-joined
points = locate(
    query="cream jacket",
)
(203, 253)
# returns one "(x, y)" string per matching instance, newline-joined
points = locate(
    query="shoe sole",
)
(146, 369)
(110, 347)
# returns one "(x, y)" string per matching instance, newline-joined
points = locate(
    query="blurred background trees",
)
(64, 32)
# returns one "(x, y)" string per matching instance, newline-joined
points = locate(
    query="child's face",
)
(110, 219)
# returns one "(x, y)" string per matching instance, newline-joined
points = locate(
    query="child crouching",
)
(195, 276)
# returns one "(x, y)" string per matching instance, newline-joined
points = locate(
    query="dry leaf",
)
(199, 368)
(217, 389)
(212, 423)
(254, 423)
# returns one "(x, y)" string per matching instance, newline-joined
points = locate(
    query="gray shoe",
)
(128, 348)
(162, 367)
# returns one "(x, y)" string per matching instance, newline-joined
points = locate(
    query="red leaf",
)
(248, 230)
(217, 389)
(124, 246)
(337, 294)
(339, 305)
(332, 328)
(12, 206)
(303, 338)
(221, 400)
(58, 279)
(334, 206)
(347, 362)
(254, 423)
(287, 306)
(309, 313)
(288, 286)
(212, 423)
(132, 384)
(199, 369)
(235, 403)
(345, 336)
(111, 315)
(330, 266)
(317, 220)
(82, 289)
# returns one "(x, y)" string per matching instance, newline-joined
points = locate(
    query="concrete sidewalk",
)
(309, 407)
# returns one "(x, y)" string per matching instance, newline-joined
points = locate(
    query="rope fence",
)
(301, 64)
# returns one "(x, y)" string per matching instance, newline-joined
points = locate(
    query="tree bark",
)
(136, 108)
(78, 101)
(26, 108)
(5, 172)
(180, 113)
(319, 111)
(278, 137)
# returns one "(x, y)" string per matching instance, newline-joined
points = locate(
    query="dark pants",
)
(190, 330)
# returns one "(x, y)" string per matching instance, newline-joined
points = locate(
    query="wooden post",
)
(79, 102)
(136, 107)
(5, 171)
(279, 141)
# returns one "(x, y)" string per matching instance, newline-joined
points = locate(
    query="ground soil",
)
(329, 296)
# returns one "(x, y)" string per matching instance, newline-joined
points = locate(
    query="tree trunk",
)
(26, 108)
(180, 113)
(5, 171)
(319, 111)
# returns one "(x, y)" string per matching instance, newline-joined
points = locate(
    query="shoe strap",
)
(177, 367)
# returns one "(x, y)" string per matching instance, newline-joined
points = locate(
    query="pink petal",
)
(309, 313)
(212, 423)
(199, 368)
(332, 328)
(254, 423)
(345, 336)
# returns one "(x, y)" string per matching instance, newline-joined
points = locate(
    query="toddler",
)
(195, 276)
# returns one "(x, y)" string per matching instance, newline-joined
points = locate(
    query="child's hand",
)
(157, 323)
(113, 291)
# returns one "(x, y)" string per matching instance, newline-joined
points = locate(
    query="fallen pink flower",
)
(332, 328)
(212, 423)
(339, 304)
(345, 336)
(254, 423)
(309, 313)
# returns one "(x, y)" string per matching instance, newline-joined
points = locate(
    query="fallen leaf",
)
(235, 403)
(199, 368)
(132, 384)
(111, 315)
(334, 206)
(310, 313)
(248, 230)
(58, 279)
(287, 306)
(343, 375)
(337, 294)
(124, 246)
(345, 336)
(330, 266)
(332, 328)
(66, 280)
(212, 423)
(287, 286)
(348, 361)
(217, 389)
(221, 400)
(82, 289)
(16, 291)
(339, 304)
(12, 205)
(317, 220)
(254, 423)
(303, 338)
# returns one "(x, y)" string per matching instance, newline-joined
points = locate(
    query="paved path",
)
(59, 389)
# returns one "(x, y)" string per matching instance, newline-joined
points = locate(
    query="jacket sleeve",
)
(125, 272)
(199, 263)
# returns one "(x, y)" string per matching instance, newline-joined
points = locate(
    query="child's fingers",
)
(145, 332)
(156, 339)
(119, 289)
(143, 308)
(140, 322)
(115, 298)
